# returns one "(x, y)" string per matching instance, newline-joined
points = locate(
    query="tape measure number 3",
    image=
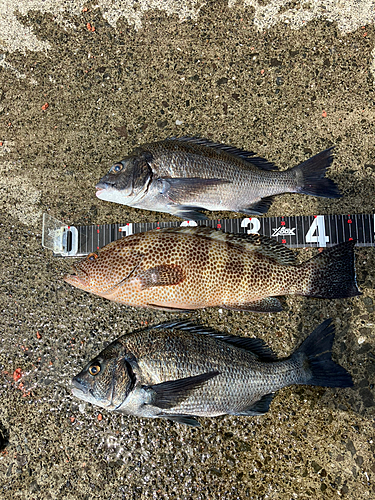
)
(293, 231)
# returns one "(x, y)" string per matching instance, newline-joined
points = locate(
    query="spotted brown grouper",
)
(179, 371)
(186, 176)
(196, 267)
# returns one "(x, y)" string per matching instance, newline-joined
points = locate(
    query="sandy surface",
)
(285, 79)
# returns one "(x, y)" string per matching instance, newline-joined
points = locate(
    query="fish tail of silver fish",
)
(330, 274)
(313, 360)
(310, 179)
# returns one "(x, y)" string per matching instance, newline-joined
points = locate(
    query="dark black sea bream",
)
(187, 176)
(180, 371)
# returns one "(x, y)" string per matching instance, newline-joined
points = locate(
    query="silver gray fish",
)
(180, 371)
(187, 176)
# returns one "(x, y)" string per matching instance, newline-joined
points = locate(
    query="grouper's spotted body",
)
(191, 268)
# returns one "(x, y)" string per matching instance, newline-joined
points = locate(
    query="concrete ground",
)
(81, 85)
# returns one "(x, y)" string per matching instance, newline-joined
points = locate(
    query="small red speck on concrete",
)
(17, 374)
(38, 336)
(45, 106)
(90, 27)
(324, 113)
(100, 417)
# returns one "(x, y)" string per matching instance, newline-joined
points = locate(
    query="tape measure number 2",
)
(292, 231)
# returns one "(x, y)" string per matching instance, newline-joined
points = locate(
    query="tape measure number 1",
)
(292, 231)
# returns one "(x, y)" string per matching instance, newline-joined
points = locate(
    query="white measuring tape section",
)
(295, 231)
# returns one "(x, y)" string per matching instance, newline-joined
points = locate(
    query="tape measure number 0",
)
(294, 231)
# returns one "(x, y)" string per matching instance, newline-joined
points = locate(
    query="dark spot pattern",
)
(195, 268)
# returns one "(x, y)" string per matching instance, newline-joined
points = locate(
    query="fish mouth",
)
(108, 191)
(101, 187)
(79, 277)
(73, 279)
(78, 387)
(99, 192)
(80, 391)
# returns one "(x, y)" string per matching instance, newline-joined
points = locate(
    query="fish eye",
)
(117, 168)
(94, 369)
(92, 256)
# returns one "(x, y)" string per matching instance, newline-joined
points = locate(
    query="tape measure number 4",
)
(293, 231)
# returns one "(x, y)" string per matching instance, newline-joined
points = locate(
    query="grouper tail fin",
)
(310, 178)
(315, 356)
(331, 274)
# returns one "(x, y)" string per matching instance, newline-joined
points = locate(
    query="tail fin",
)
(331, 274)
(310, 176)
(321, 369)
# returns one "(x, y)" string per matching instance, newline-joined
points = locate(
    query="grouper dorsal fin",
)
(263, 245)
(253, 344)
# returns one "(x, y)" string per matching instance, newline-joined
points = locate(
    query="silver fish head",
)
(107, 380)
(126, 182)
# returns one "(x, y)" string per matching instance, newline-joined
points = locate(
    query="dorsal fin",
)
(253, 344)
(263, 245)
(247, 156)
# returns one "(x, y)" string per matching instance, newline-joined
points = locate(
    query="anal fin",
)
(182, 419)
(260, 407)
(267, 305)
(259, 207)
(169, 309)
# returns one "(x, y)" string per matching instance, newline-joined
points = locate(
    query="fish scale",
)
(191, 268)
(186, 176)
(180, 371)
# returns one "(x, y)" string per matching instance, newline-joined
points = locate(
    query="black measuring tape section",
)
(294, 231)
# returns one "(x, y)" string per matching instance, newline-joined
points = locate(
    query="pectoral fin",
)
(179, 189)
(260, 407)
(168, 394)
(267, 305)
(164, 275)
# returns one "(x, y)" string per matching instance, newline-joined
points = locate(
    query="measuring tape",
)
(294, 232)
